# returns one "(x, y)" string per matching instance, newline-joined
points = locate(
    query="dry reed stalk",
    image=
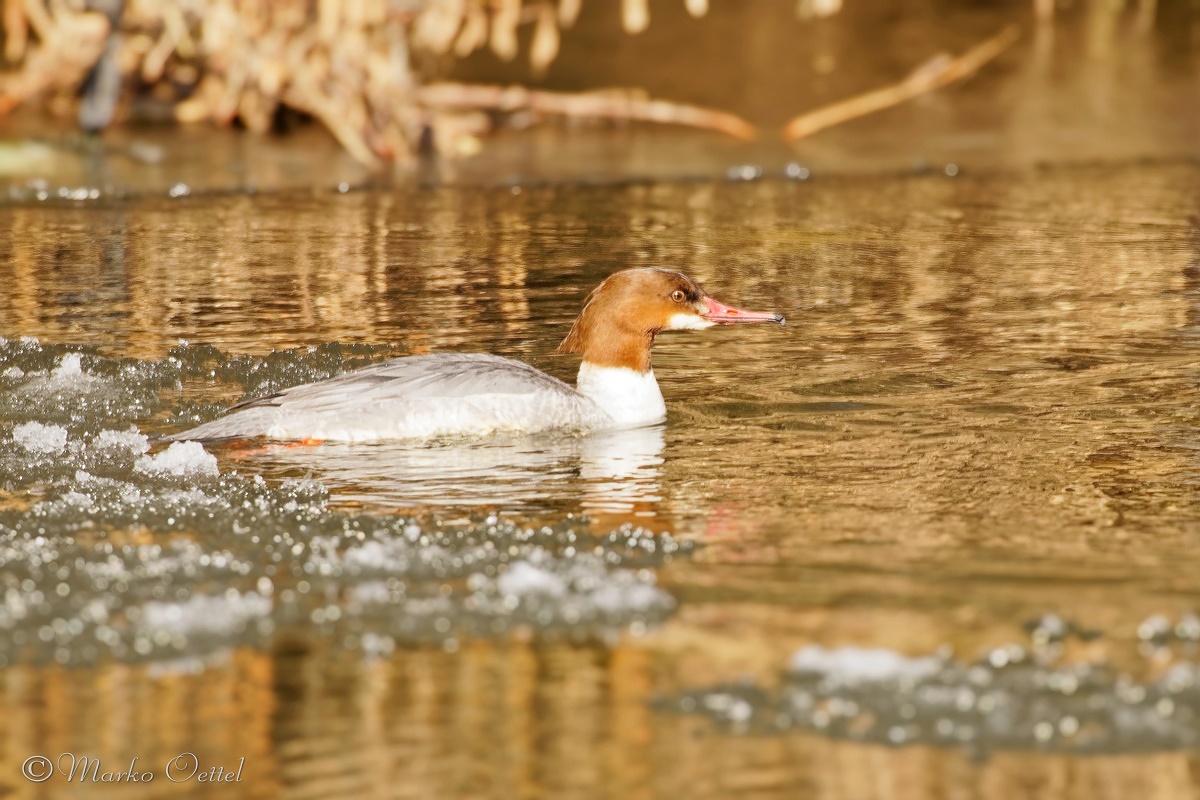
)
(933, 74)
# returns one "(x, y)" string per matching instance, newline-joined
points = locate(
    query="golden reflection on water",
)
(493, 720)
(982, 410)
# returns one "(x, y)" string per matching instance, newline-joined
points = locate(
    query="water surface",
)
(981, 413)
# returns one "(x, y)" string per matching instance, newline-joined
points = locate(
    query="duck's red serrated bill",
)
(722, 314)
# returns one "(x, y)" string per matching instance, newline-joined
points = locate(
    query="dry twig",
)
(933, 74)
(610, 104)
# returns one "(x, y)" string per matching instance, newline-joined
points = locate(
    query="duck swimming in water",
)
(452, 394)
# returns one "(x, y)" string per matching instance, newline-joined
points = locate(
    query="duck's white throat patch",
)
(630, 397)
(688, 322)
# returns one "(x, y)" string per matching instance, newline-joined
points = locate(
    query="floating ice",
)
(112, 555)
(128, 441)
(553, 588)
(876, 695)
(375, 646)
(189, 665)
(523, 578)
(222, 615)
(38, 438)
(181, 459)
(853, 665)
(69, 367)
(625, 593)
(66, 379)
(360, 578)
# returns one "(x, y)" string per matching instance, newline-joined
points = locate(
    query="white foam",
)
(855, 665)
(181, 459)
(38, 438)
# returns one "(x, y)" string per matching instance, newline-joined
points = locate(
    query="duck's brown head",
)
(622, 315)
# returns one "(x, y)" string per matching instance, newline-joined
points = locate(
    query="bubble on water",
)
(744, 172)
(796, 171)
(1154, 629)
(374, 645)
(1188, 628)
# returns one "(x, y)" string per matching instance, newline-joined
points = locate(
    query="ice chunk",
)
(78, 499)
(524, 578)
(38, 438)
(626, 597)
(188, 665)
(223, 614)
(68, 367)
(854, 665)
(181, 459)
(68, 379)
(129, 441)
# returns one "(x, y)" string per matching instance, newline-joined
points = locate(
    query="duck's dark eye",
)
(678, 296)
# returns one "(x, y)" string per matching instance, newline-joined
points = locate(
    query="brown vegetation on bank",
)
(349, 64)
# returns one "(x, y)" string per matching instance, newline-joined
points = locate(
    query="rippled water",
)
(980, 416)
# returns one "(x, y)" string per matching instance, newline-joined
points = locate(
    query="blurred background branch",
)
(390, 77)
(348, 63)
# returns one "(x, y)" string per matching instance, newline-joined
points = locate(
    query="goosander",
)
(453, 394)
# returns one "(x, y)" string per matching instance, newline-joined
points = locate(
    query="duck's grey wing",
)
(415, 379)
(418, 378)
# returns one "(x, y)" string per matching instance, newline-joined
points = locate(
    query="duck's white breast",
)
(629, 397)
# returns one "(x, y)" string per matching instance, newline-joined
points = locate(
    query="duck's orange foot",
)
(251, 448)
(244, 448)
